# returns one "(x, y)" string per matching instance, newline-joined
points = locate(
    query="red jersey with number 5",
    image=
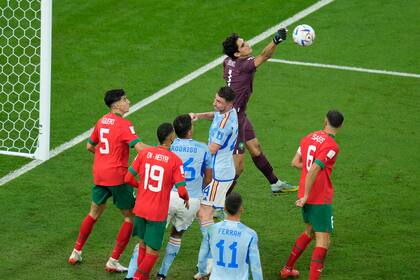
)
(159, 170)
(320, 148)
(113, 136)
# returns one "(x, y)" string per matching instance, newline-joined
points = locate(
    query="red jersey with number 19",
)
(159, 170)
(114, 135)
(321, 148)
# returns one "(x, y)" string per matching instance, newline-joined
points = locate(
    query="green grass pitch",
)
(144, 46)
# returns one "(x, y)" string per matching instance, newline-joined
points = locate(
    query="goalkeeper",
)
(239, 70)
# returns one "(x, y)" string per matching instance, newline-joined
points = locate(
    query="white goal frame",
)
(42, 151)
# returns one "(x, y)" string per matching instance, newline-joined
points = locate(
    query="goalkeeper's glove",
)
(280, 36)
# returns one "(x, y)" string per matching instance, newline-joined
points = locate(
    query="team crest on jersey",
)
(331, 154)
(231, 63)
(241, 146)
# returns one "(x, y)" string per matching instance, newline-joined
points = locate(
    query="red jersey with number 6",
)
(159, 170)
(112, 136)
(320, 148)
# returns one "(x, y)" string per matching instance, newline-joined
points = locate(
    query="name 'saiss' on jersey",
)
(318, 138)
(108, 121)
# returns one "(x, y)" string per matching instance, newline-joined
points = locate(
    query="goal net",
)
(25, 59)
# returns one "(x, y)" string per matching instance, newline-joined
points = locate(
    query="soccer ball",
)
(303, 35)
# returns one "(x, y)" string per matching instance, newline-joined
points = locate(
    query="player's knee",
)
(96, 211)
(129, 219)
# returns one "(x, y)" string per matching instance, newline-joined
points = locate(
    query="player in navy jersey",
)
(239, 70)
(233, 245)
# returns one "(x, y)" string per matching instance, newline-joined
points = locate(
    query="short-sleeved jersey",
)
(159, 170)
(113, 136)
(234, 248)
(318, 147)
(196, 158)
(224, 132)
(239, 75)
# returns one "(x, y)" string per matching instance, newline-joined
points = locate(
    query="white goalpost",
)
(25, 77)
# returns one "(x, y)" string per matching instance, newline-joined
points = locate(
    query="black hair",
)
(112, 96)
(233, 203)
(335, 118)
(227, 93)
(163, 131)
(182, 124)
(230, 47)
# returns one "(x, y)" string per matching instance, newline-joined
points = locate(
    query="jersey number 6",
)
(310, 156)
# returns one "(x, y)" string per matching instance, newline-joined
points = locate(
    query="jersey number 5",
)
(104, 141)
(155, 173)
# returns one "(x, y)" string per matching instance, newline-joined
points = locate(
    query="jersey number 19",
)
(155, 173)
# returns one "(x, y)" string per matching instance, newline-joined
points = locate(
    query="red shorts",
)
(245, 133)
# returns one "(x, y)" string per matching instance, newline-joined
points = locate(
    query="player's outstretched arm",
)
(297, 160)
(140, 146)
(183, 193)
(213, 147)
(254, 259)
(199, 116)
(309, 182)
(90, 147)
(131, 180)
(269, 50)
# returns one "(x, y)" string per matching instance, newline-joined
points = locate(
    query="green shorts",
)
(319, 216)
(122, 195)
(150, 232)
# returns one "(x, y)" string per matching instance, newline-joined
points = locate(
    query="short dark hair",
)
(112, 96)
(335, 118)
(233, 203)
(163, 131)
(230, 47)
(182, 124)
(227, 93)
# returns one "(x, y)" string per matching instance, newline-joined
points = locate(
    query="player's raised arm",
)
(198, 116)
(269, 50)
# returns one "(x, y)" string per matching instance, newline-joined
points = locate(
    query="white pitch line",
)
(188, 78)
(348, 68)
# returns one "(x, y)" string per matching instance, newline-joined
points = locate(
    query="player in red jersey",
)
(159, 170)
(316, 157)
(238, 71)
(110, 141)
